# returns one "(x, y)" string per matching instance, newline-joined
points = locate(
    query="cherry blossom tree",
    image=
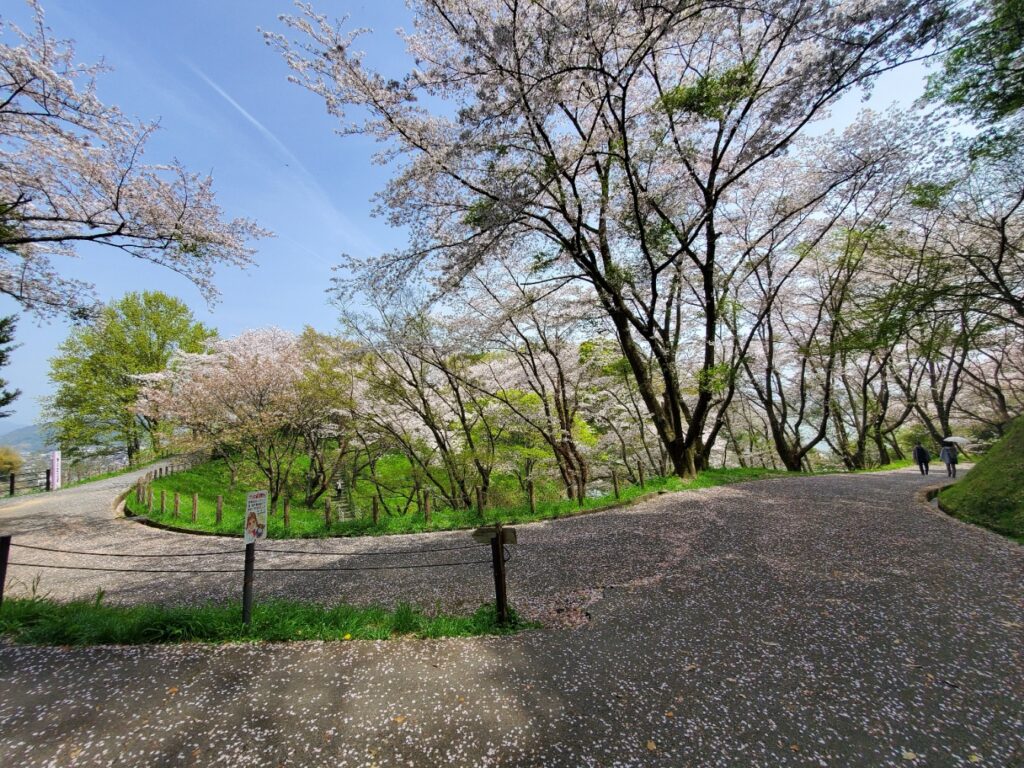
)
(72, 171)
(612, 140)
(242, 394)
(534, 367)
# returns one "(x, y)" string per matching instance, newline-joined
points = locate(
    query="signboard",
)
(55, 471)
(255, 516)
(484, 535)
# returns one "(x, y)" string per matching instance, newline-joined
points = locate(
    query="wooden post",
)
(138, 491)
(149, 498)
(287, 513)
(376, 510)
(532, 494)
(615, 482)
(250, 565)
(426, 506)
(480, 501)
(5, 553)
(220, 509)
(163, 502)
(327, 513)
(12, 484)
(48, 483)
(640, 466)
(195, 507)
(177, 504)
(498, 564)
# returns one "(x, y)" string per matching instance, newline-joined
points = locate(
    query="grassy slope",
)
(47, 622)
(992, 493)
(210, 479)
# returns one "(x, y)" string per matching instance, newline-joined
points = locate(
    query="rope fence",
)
(496, 537)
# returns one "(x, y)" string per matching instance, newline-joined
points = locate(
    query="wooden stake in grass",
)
(426, 507)
(220, 509)
(177, 504)
(615, 482)
(641, 468)
(195, 507)
(327, 513)
(532, 495)
(376, 510)
(163, 502)
(138, 491)
(287, 513)
(149, 498)
(480, 501)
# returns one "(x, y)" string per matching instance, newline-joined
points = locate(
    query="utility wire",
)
(239, 570)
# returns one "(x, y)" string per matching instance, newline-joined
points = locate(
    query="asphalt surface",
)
(807, 621)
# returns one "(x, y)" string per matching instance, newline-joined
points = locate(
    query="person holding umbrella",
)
(948, 457)
(922, 457)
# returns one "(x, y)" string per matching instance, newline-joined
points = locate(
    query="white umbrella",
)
(960, 440)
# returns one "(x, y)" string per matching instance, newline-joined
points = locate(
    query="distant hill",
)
(26, 439)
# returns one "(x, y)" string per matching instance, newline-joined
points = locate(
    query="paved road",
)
(810, 621)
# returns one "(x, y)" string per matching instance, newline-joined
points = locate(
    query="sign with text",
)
(255, 516)
(55, 470)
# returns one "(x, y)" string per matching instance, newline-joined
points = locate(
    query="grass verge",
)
(992, 493)
(41, 621)
(207, 481)
(892, 465)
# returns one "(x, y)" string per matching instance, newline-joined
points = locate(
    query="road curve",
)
(827, 620)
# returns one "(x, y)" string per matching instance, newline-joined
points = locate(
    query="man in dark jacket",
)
(922, 457)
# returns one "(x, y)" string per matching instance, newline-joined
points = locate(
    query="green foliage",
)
(913, 434)
(713, 95)
(929, 195)
(982, 75)
(10, 460)
(479, 213)
(95, 370)
(992, 493)
(605, 357)
(7, 327)
(715, 379)
(213, 478)
(47, 622)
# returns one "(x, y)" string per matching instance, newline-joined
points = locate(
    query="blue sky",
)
(201, 68)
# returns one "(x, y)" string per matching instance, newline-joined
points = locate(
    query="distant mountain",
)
(26, 439)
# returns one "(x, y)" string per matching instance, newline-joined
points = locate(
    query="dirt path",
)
(828, 620)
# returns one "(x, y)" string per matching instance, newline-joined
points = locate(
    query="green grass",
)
(38, 621)
(210, 479)
(898, 464)
(992, 493)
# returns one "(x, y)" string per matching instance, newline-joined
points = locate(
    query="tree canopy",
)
(657, 153)
(97, 370)
(72, 172)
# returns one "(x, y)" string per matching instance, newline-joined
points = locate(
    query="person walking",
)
(922, 457)
(948, 457)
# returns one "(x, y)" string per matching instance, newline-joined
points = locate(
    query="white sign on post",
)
(55, 470)
(255, 516)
